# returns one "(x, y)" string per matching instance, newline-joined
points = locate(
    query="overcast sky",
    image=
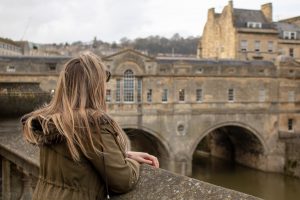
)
(49, 21)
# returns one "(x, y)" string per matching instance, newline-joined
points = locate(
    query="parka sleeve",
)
(120, 172)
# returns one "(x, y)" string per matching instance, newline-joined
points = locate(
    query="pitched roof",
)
(242, 16)
(283, 26)
(128, 50)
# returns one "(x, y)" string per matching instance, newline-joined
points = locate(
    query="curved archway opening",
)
(232, 143)
(143, 141)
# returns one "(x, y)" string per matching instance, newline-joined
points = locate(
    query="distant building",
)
(249, 35)
(9, 47)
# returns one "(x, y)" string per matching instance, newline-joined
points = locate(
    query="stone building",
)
(9, 47)
(248, 35)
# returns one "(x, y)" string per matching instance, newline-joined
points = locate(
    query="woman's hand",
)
(142, 157)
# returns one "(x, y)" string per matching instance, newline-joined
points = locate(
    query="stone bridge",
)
(176, 108)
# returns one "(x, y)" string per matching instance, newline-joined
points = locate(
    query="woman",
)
(83, 151)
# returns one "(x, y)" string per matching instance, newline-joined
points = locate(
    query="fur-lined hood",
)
(53, 136)
(42, 138)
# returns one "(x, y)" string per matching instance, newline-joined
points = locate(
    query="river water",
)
(269, 186)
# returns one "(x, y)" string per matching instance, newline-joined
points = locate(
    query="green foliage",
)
(155, 44)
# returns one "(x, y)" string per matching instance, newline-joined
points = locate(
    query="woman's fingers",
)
(142, 157)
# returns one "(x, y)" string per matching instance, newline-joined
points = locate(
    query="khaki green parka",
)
(62, 178)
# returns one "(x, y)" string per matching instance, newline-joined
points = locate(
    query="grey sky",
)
(47, 21)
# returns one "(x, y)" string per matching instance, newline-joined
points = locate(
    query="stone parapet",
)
(161, 184)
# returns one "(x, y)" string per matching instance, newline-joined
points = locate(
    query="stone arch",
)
(236, 124)
(155, 140)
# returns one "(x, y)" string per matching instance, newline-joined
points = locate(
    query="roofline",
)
(128, 50)
(34, 57)
(290, 19)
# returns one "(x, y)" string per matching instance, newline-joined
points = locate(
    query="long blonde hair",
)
(77, 107)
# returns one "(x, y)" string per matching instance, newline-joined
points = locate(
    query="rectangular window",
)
(293, 35)
(290, 124)
(231, 95)
(254, 24)
(270, 46)
(164, 97)
(149, 95)
(257, 46)
(262, 95)
(128, 95)
(118, 91)
(52, 66)
(199, 95)
(181, 95)
(291, 96)
(139, 92)
(10, 68)
(244, 45)
(108, 95)
(288, 35)
(291, 52)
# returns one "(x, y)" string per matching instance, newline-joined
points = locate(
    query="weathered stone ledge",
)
(164, 185)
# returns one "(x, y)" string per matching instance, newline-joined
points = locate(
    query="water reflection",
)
(227, 174)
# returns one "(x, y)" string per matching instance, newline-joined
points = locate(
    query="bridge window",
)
(290, 124)
(231, 95)
(128, 86)
(257, 46)
(262, 95)
(118, 91)
(108, 95)
(291, 96)
(10, 68)
(139, 92)
(149, 95)
(199, 95)
(164, 97)
(52, 66)
(181, 95)
(291, 52)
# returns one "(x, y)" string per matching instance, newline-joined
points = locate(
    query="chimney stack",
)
(267, 11)
(211, 14)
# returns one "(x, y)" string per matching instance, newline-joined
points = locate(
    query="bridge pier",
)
(181, 165)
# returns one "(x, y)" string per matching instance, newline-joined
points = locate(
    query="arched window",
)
(128, 86)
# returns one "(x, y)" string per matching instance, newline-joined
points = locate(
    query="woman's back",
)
(63, 178)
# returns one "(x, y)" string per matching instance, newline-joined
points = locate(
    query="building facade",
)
(10, 48)
(248, 35)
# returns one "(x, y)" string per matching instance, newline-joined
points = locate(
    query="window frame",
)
(231, 95)
(128, 86)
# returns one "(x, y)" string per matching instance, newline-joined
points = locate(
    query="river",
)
(269, 186)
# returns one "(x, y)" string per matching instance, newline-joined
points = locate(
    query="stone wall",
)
(292, 161)
(17, 104)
